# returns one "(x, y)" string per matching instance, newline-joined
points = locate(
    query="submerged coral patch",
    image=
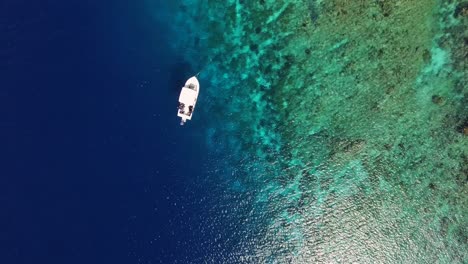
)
(344, 120)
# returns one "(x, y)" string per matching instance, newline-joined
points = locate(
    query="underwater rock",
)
(461, 10)
(427, 56)
(385, 7)
(253, 47)
(463, 127)
(313, 13)
(439, 100)
(462, 177)
(444, 225)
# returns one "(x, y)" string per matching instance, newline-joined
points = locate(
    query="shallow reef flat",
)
(347, 119)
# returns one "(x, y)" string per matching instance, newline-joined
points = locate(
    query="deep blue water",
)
(96, 167)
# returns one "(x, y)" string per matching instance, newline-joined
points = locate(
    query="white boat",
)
(187, 99)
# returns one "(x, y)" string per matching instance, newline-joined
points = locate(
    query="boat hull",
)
(188, 99)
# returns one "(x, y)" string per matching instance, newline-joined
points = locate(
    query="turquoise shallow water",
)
(337, 129)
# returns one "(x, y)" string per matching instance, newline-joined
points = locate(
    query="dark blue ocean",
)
(96, 168)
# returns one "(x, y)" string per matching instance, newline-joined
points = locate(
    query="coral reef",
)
(347, 119)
